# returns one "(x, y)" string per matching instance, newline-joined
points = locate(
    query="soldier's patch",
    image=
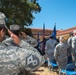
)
(32, 61)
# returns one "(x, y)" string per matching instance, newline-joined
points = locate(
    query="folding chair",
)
(54, 64)
(46, 63)
(62, 72)
(70, 69)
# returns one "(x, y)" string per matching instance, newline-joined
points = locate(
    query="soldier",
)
(2, 18)
(60, 53)
(69, 42)
(49, 49)
(74, 46)
(16, 30)
(15, 58)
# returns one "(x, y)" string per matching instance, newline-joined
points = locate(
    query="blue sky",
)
(61, 12)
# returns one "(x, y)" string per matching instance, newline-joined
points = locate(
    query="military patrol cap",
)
(2, 21)
(2, 18)
(14, 27)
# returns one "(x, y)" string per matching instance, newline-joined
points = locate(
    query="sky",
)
(61, 12)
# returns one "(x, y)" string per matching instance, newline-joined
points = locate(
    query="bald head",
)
(61, 39)
(74, 32)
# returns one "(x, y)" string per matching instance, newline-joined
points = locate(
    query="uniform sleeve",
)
(73, 45)
(46, 46)
(14, 58)
(32, 57)
(56, 52)
(7, 41)
(69, 42)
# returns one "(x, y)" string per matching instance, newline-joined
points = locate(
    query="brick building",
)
(36, 31)
(64, 33)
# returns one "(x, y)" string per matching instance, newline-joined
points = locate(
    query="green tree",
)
(19, 11)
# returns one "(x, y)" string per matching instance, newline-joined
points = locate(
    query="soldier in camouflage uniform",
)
(15, 58)
(31, 41)
(74, 46)
(16, 30)
(28, 40)
(2, 18)
(49, 49)
(60, 53)
(69, 42)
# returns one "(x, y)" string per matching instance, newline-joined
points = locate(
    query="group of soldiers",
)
(17, 52)
(63, 52)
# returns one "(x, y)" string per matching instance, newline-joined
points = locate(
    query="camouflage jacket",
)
(31, 41)
(60, 51)
(13, 58)
(74, 44)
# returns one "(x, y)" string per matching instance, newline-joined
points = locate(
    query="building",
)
(39, 33)
(66, 32)
(47, 32)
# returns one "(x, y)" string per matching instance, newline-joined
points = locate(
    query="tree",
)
(19, 11)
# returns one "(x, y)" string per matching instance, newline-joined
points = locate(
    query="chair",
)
(46, 62)
(70, 69)
(62, 72)
(54, 64)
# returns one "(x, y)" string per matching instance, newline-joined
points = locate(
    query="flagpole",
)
(43, 46)
(43, 30)
(38, 38)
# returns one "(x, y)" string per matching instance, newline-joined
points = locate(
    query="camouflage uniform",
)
(31, 41)
(60, 54)
(70, 44)
(14, 58)
(2, 21)
(74, 48)
(28, 38)
(50, 45)
(2, 18)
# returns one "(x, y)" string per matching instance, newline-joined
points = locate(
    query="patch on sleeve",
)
(32, 61)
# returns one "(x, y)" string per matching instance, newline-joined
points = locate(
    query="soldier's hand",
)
(14, 37)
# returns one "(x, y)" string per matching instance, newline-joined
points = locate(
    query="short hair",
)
(2, 26)
(51, 36)
(16, 32)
